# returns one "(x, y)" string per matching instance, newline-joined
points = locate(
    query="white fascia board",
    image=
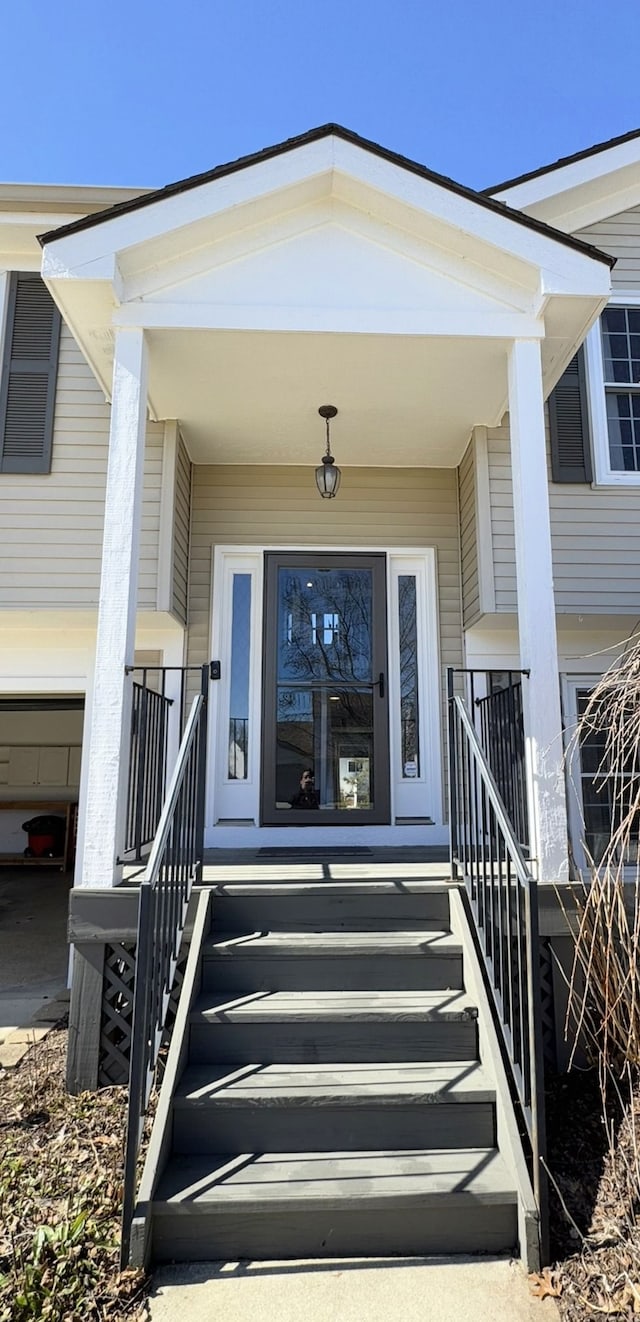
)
(500, 231)
(354, 321)
(194, 204)
(552, 182)
(76, 252)
(577, 210)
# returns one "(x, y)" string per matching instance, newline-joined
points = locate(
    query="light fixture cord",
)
(327, 421)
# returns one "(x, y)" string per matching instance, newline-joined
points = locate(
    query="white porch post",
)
(536, 613)
(110, 709)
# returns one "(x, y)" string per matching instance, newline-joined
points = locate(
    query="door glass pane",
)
(324, 624)
(408, 634)
(239, 695)
(324, 689)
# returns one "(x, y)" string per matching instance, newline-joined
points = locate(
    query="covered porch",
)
(239, 302)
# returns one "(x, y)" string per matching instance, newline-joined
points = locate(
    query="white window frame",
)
(604, 474)
(227, 798)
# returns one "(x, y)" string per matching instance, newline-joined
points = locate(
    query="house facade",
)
(329, 439)
(167, 513)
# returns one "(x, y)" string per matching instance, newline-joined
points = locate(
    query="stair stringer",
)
(160, 1141)
(508, 1136)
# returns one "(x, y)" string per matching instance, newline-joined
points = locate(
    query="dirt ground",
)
(60, 1192)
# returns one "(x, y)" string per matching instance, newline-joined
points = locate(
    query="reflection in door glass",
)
(324, 624)
(324, 694)
(239, 695)
(408, 632)
(326, 735)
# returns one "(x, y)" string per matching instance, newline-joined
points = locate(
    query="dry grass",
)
(601, 1277)
(60, 1197)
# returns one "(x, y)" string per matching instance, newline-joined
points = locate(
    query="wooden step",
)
(331, 907)
(309, 1027)
(336, 1204)
(293, 1108)
(340, 961)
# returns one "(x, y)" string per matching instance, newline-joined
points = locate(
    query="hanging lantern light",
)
(328, 474)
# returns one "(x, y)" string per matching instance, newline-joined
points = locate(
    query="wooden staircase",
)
(334, 1085)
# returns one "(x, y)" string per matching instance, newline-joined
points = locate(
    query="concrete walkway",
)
(33, 956)
(351, 1290)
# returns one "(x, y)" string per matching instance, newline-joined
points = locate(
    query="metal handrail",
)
(174, 865)
(502, 896)
(147, 764)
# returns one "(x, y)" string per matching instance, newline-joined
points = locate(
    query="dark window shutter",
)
(28, 379)
(569, 425)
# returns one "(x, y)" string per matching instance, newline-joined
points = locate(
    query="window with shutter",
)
(569, 425)
(28, 378)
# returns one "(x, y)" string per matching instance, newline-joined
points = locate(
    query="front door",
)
(325, 727)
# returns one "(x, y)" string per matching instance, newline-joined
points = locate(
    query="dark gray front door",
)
(325, 693)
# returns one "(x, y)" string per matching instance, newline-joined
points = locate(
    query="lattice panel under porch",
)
(117, 1010)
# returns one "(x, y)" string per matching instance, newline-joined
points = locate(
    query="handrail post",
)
(453, 775)
(141, 767)
(201, 770)
(137, 1062)
(538, 1117)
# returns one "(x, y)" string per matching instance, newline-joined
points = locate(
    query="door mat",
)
(296, 852)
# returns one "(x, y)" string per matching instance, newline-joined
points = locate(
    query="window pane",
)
(324, 748)
(408, 633)
(623, 419)
(613, 319)
(239, 694)
(609, 792)
(324, 624)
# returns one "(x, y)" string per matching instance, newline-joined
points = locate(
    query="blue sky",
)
(135, 92)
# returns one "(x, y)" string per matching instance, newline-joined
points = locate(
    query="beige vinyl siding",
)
(620, 236)
(468, 538)
(181, 532)
(280, 507)
(51, 524)
(595, 539)
(595, 533)
(501, 505)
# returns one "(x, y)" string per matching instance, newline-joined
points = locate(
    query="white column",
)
(536, 613)
(105, 801)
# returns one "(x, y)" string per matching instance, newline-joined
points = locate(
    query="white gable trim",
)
(88, 253)
(583, 192)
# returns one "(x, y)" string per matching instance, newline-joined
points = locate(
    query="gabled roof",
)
(301, 140)
(562, 161)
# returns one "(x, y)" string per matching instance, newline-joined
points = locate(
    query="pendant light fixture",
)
(328, 474)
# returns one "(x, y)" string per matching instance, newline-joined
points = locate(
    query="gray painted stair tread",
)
(256, 1007)
(332, 889)
(335, 1178)
(263, 1085)
(293, 945)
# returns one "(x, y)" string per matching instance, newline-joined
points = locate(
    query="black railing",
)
(174, 866)
(487, 856)
(494, 702)
(147, 761)
(148, 751)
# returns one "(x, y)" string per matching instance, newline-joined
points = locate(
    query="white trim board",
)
(241, 836)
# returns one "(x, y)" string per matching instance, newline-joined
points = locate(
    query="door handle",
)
(381, 683)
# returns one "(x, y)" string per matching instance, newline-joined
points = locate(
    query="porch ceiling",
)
(252, 397)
